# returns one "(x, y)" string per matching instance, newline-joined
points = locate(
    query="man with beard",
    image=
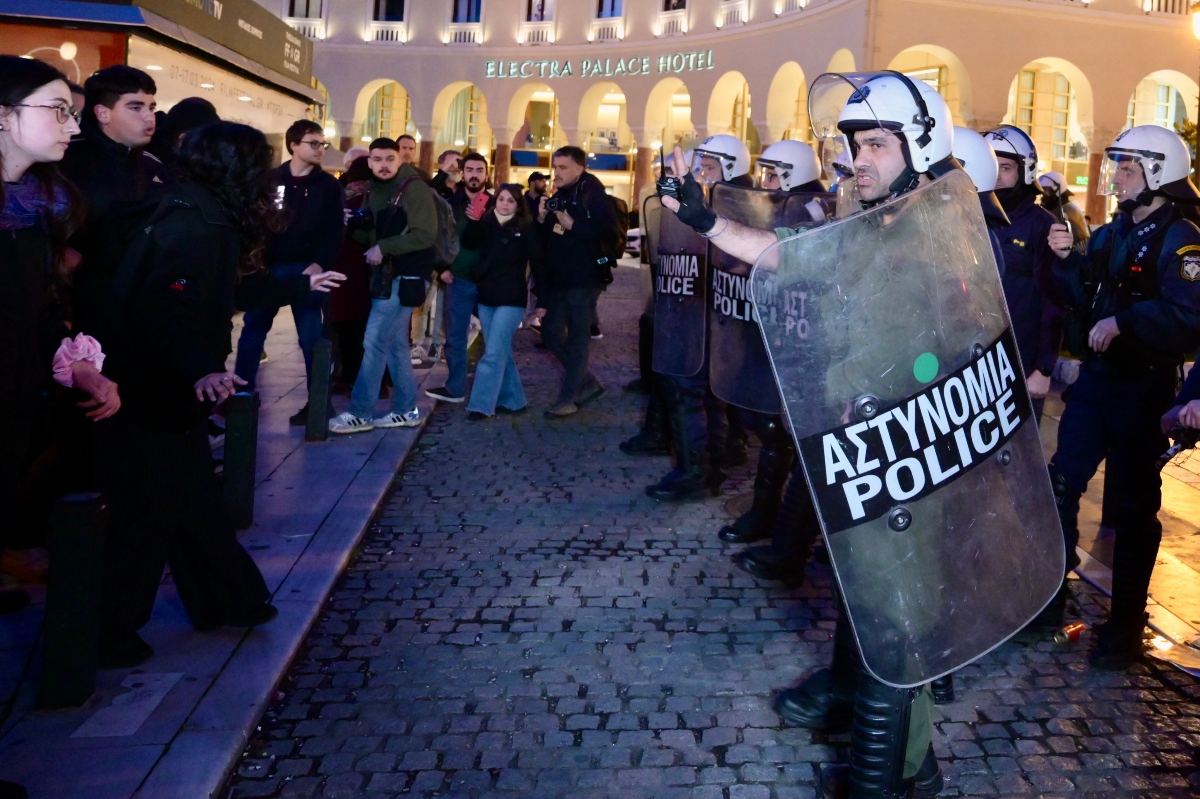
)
(461, 293)
(1028, 261)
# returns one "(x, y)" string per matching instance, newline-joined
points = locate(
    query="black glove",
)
(693, 211)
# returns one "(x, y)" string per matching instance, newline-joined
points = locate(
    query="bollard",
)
(241, 457)
(317, 428)
(71, 629)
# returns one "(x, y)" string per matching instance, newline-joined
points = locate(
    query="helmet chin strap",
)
(1145, 197)
(906, 182)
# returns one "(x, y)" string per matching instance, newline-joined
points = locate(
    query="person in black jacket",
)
(118, 179)
(579, 240)
(201, 258)
(508, 243)
(312, 201)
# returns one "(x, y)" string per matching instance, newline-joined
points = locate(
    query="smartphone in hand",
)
(478, 205)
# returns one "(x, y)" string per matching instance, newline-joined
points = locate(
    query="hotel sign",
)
(668, 64)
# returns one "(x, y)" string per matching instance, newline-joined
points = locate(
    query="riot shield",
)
(738, 368)
(680, 311)
(901, 382)
(651, 214)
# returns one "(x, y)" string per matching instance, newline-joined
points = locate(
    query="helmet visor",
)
(769, 174)
(1123, 172)
(836, 159)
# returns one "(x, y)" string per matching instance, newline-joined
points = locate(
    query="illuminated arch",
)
(787, 106)
(842, 61)
(954, 86)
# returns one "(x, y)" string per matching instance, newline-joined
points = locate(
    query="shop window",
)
(540, 11)
(304, 9)
(467, 10)
(1059, 125)
(389, 10)
(674, 5)
(609, 8)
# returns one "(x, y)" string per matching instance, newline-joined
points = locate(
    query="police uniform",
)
(1028, 261)
(1147, 277)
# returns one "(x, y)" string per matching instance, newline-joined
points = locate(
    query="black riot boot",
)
(653, 438)
(824, 701)
(943, 690)
(774, 462)
(736, 451)
(796, 528)
(692, 476)
(878, 740)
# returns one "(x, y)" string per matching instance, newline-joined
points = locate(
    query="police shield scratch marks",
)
(908, 451)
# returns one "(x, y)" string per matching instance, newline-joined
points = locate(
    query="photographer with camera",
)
(581, 234)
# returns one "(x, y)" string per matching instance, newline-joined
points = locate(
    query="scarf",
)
(503, 218)
(26, 204)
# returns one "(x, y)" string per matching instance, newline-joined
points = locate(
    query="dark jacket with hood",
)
(177, 316)
(312, 207)
(120, 185)
(572, 255)
(506, 252)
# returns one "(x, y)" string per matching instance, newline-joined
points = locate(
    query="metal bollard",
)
(317, 428)
(241, 457)
(71, 629)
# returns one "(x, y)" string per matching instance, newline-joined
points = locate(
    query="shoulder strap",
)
(132, 269)
(398, 194)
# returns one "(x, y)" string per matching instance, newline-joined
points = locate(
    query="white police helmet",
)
(1010, 141)
(1055, 181)
(730, 153)
(913, 110)
(794, 163)
(977, 157)
(1162, 155)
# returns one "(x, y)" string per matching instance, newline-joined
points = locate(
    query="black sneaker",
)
(502, 411)
(442, 395)
(596, 334)
(476, 416)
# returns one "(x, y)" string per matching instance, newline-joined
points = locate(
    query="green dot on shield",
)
(925, 367)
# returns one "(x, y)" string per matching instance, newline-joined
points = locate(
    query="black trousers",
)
(567, 331)
(166, 506)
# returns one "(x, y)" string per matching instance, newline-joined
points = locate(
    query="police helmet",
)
(913, 110)
(729, 152)
(1055, 181)
(977, 157)
(1163, 156)
(1010, 141)
(794, 163)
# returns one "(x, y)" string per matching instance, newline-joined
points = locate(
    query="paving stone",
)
(521, 621)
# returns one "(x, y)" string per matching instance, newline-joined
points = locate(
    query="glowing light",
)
(206, 85)
(459, 142)
(68, 51)
(329, 131)
(245, 98)
(154, 67)
(365, 139)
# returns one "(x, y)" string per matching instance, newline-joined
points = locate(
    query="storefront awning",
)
(147, 23)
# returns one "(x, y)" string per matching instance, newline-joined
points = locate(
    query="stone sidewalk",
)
(173, 728)
(521, 621)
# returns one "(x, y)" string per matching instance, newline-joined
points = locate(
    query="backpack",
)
(621, 211)
(445, 245)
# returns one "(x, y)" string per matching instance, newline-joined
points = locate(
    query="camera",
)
(360, 219)
(556, 203)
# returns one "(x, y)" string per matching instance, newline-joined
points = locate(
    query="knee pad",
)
(1059, 485)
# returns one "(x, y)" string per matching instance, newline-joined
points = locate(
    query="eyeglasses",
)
(317, 145)
(62, 111)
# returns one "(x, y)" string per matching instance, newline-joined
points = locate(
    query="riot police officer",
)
(1135, 300)
(699, 425)
(1056, 198)
(899, 132)
(1037, 321)
(792, 167)
(977, 157)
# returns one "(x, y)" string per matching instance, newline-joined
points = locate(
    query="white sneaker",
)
(417, 355)
(347, 422)
(410, 419)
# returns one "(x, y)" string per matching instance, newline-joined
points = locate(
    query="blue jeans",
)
(385, 345)
(496, 378)
(256, 324)
(461, 297)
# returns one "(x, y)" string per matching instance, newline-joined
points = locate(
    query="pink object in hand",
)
(478, 205)
(80, 348)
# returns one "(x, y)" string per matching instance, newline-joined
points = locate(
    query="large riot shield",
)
(651, 213)
(900, 378)
(739, 370)
(680, 311)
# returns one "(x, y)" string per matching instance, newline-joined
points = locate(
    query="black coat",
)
(176, 321)
(313, 210)
(506, 252)
(572, 255)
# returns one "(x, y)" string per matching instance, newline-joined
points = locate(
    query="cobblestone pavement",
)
(522, 621)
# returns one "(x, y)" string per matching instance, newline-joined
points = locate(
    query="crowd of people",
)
(130, 238)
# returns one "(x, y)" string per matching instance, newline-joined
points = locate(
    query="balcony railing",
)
(608, 29)
(536, 33)
(1172, 7)
(671, 23)
(788, 6)
(734, 12)
(312, 27)
(464, 33)
(389, 32)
